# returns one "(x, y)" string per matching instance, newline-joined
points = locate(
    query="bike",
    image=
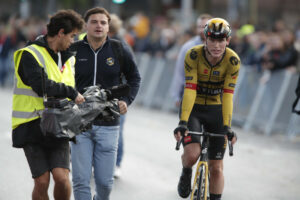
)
(201, 179)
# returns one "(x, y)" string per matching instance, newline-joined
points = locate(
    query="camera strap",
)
(44, 85)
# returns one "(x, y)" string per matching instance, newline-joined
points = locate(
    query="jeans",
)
(120, 143)
(95, 148)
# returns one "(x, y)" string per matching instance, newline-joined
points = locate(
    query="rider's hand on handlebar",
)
(231, 136)
(181, 130)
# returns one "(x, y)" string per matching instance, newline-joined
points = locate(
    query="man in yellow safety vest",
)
(45, 67)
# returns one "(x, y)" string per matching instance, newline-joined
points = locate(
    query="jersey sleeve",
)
(190, 88)
(231, 77)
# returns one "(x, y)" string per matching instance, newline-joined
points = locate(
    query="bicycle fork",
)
(200, 185)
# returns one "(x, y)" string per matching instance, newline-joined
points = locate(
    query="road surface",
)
(263, 168)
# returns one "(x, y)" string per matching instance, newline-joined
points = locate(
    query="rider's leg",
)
(189, 158)
(190, 155)
(216, 182)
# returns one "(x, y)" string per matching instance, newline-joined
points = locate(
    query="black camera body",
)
(55, 103)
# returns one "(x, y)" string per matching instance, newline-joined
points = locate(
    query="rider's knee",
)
(216, 170)
(190, 159)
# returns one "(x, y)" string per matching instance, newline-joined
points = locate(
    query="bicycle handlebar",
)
(230, 146)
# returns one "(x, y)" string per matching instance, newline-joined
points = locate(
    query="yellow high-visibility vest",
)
(27, 105)
(81, 36)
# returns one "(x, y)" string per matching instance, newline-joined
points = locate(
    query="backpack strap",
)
(118, 50)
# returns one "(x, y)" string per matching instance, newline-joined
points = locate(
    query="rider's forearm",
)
(187, 104)
(227, 108)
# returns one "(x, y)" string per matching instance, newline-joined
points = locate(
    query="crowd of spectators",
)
(14, 33)
(274, 48)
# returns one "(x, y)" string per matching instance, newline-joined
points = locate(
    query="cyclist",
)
(211, 72)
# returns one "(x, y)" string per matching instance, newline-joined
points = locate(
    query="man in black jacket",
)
(98, 63)
(44, 154)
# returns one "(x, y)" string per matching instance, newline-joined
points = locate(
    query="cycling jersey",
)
(209, 85)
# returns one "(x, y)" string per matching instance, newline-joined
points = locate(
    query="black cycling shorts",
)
(43, 158)
(211, 119)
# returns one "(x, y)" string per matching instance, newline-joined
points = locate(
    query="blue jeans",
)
(120, 143)
(95, 148)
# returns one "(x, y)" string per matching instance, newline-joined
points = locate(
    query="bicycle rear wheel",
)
(199, 191)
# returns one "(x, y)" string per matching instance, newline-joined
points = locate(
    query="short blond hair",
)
(115, 24)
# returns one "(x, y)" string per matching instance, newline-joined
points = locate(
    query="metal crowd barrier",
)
(269, 109)
(262, 101)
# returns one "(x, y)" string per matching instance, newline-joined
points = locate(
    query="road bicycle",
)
(201, 179)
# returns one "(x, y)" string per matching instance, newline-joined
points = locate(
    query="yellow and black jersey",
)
(209, 85)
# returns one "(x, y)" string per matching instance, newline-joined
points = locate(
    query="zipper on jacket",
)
(95, 68)
(95, 61)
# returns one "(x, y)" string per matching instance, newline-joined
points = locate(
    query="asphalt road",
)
(263, 168)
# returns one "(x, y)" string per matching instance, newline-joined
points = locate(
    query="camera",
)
(55, 103)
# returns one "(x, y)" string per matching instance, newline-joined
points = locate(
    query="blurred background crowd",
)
(266, 39)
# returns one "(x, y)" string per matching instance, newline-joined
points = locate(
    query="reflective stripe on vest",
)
(40, 57)
(27, 115)
(24, 91)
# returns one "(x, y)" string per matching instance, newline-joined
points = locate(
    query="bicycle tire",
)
(199, 191)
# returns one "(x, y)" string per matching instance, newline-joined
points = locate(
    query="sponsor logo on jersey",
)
(188, 78)
(187, 139)
(216, 73)
(209, 91)
(187, 67)
(235, 73)
(110, 61)
(234, 60)
(193, 55)
(231, 85)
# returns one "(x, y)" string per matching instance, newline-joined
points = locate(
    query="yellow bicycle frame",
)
(197, 175)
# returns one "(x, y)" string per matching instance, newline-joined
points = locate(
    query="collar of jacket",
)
(85, 41)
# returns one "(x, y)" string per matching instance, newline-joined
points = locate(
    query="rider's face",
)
(216, 47)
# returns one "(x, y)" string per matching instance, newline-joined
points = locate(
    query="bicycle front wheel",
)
(200, 186)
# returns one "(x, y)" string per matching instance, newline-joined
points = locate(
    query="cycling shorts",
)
(210, 118)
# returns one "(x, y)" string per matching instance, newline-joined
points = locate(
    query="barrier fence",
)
(262, 101)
